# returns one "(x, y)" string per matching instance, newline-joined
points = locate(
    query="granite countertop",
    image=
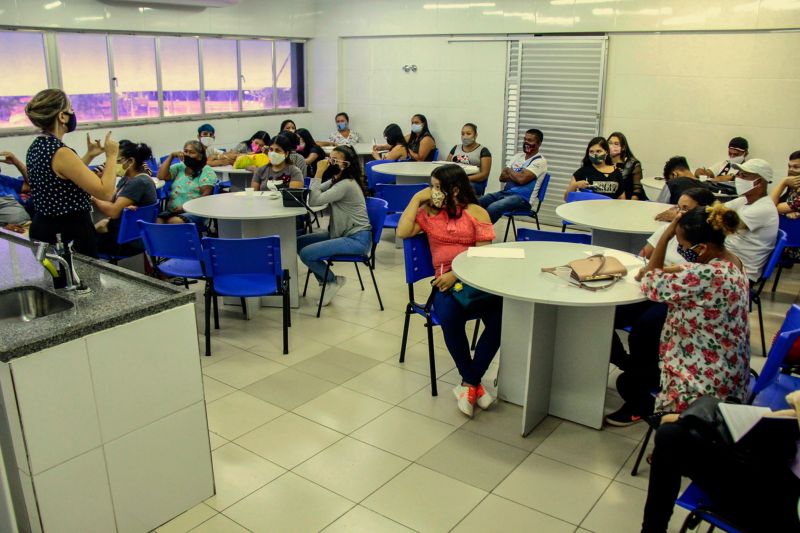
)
(117, 296)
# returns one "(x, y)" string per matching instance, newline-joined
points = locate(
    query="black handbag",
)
(295, 197)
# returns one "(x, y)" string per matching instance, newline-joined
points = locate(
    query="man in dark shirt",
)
(679, 179)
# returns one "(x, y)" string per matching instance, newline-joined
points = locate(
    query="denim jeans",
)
(501, 202)
(453, 319)
(314, 246)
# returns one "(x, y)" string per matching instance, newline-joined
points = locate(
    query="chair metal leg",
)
(305, 287)
(431, 357)
(208, 322)
(324, 286)
(536, 218)
(405, 334)
(642, 450)
(761, 328)
(777, 277)
(475, 334)
(244, 307)
(216, 311)
(286, 319)
(514, 227)
(286, 285)
(508, 225)
(360, 281)
(374, 283)
(563, 228)
(185, 283)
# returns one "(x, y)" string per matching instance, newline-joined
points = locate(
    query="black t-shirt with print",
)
(606, 184)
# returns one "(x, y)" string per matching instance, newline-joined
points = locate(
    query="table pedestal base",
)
(285, 228)
(626, 242)
(555, 361)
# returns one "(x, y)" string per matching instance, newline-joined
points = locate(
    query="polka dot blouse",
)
(52, 196)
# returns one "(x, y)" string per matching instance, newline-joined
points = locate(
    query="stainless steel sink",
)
(29, 303)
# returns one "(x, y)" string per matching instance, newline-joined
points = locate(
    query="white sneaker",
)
(332, 288)
(485, 400)
(466, 399)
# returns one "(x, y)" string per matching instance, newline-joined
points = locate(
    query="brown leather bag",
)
(594, 268)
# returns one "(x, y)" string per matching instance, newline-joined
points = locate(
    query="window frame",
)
(54, 77)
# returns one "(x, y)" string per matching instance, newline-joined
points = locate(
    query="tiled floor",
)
(339, 436)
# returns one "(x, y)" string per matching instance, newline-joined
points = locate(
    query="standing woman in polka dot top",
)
(61, 183)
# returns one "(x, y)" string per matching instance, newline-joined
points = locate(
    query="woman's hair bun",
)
(723, 219)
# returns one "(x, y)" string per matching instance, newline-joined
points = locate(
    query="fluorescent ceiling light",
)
(458, 6)
(53, 5)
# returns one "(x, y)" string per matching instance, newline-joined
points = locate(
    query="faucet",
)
(63, 256)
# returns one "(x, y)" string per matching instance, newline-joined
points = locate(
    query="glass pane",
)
(180, 75)
(256, 60)
(135, 70)
(25, 74)
(84, 75)
(289, 74)
(219, 75)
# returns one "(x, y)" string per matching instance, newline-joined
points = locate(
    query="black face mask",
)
(194, 164)
(72, 123)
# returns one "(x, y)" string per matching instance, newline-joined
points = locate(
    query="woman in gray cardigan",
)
(338, 183)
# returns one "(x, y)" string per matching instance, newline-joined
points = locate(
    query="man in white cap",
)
(757, 211)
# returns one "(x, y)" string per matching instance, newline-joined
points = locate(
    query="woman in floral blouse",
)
(705, 343)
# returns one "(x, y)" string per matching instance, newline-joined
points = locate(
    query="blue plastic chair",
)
(419, 265)
(173, 250)
(580, 196)
(435, 154)
(376, 210)
(12, 186)
(163, 158)
(792, 228)
(757, 287)
(163, 194)
(374, 178)
(479, 187)
(531, 213)
(397, 197)
(245, 268)
(152, 165)
(129, 230)
(702, 508)
(772, 385)
(524, 234)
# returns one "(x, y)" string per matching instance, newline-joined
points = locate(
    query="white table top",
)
(239, 206)
(228, 169)
(418, 168)
(654, 182)
(620, 216)
(360, 148)
(522, 279)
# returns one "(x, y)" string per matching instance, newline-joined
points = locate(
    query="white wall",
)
(674, 94)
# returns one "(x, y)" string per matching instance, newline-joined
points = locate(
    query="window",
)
(256, 65)
(180, 76)
(24, 74)
(220, 76)
(84, 75)
(289, 74)
(135, 76)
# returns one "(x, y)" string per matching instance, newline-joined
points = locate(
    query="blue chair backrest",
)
(260, 255)
(435, 154)
(775, 256)
(479, 187)
(787, 335)
(377, 210)
(306, 182)
(578, 196)
(792, 228)
(525, 234)
(163, 192)
(164, 158)
(171, 241)
(373, 178)
(153, 165)
(10, 186)
(398, 196)
(129, 230)
(417, 257)
(543, 188)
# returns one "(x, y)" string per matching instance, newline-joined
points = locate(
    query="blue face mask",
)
(341, 126)
(688, 253)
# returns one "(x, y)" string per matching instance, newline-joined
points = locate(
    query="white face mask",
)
(275, 158)
(207, 141)
(416, 128)
(743, 186)
(738, 160)
(437, 198)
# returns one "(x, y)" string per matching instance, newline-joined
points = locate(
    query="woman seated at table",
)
(288, 125)
(646, 320)
(421, 144)
(191, 178)
(396, 147)
(705, 342)
(293, 157)
(349, 229)
(135, 188)
(254, 145)
(598, 174)
(631, 169)
(343, 136)
(309, 150)
(448, 212)
(281, 172)
(469, 152)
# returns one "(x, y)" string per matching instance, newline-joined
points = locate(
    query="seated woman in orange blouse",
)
(448, 212)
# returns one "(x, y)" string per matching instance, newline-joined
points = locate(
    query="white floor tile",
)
(404, 433)
(362, 520)
(214, 390)
(336, 365)
(387, 383)
(495, 513)
(243, 369)
(289, 388)
(237, 473)
(442, 407)
(374, 343)
(342, 409)
(219, 524)
(237, 413)
(188, 520)
(620, 510)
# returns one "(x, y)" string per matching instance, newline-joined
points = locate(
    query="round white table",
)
(240, 178)
(242, 216)
(360, 148)
(556, 337)
(653, 185)
(619, 224)
(408, 172)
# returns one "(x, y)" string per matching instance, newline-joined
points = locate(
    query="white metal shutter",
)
(555, 84)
